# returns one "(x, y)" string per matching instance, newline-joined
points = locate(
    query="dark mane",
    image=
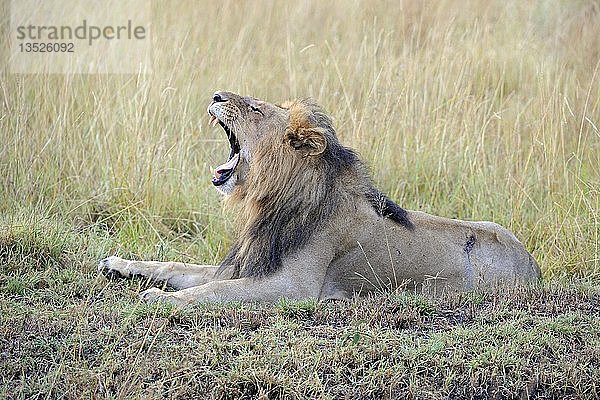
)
(283, 214)
(388, 209)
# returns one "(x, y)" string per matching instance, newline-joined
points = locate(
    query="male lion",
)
(314, 226)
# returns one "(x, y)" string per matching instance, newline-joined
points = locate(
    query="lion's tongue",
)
(229, 165)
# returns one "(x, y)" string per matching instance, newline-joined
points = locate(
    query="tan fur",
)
(310, 214)
(301, 134)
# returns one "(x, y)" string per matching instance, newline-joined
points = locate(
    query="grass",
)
(474, 110)
(540, 341)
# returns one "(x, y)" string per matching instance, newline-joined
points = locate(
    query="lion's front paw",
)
(114, 267)
(152, 295)
(155, 295)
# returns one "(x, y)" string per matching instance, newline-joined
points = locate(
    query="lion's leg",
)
(300, 277)
(243, 289)
(177, 275)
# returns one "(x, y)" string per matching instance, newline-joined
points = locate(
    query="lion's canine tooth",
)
(214, 122)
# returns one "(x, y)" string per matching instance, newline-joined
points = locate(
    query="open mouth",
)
(224, 171)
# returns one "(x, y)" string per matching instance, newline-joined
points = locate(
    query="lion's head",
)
(291, 174)
(295, 131)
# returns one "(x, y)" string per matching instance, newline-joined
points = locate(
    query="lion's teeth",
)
(214, 122)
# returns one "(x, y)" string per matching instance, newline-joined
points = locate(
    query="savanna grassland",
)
(480, 110)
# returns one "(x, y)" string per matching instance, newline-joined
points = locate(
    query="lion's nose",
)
(219, 97)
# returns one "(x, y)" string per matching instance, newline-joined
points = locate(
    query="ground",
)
(68, 332)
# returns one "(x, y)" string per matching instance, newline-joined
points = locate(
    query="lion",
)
(314, 226)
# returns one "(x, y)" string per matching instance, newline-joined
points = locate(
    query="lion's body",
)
(437, 255)
(313, 225)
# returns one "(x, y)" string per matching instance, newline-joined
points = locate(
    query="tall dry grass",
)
(475, 110)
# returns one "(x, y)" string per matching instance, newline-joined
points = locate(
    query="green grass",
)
(107, 345)
(478, 110)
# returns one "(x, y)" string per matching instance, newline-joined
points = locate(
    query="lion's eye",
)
(256, 110)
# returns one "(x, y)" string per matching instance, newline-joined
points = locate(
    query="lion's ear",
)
(308, 141)
(301, 133)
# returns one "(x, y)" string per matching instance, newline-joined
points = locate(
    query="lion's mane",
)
(296, 183)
